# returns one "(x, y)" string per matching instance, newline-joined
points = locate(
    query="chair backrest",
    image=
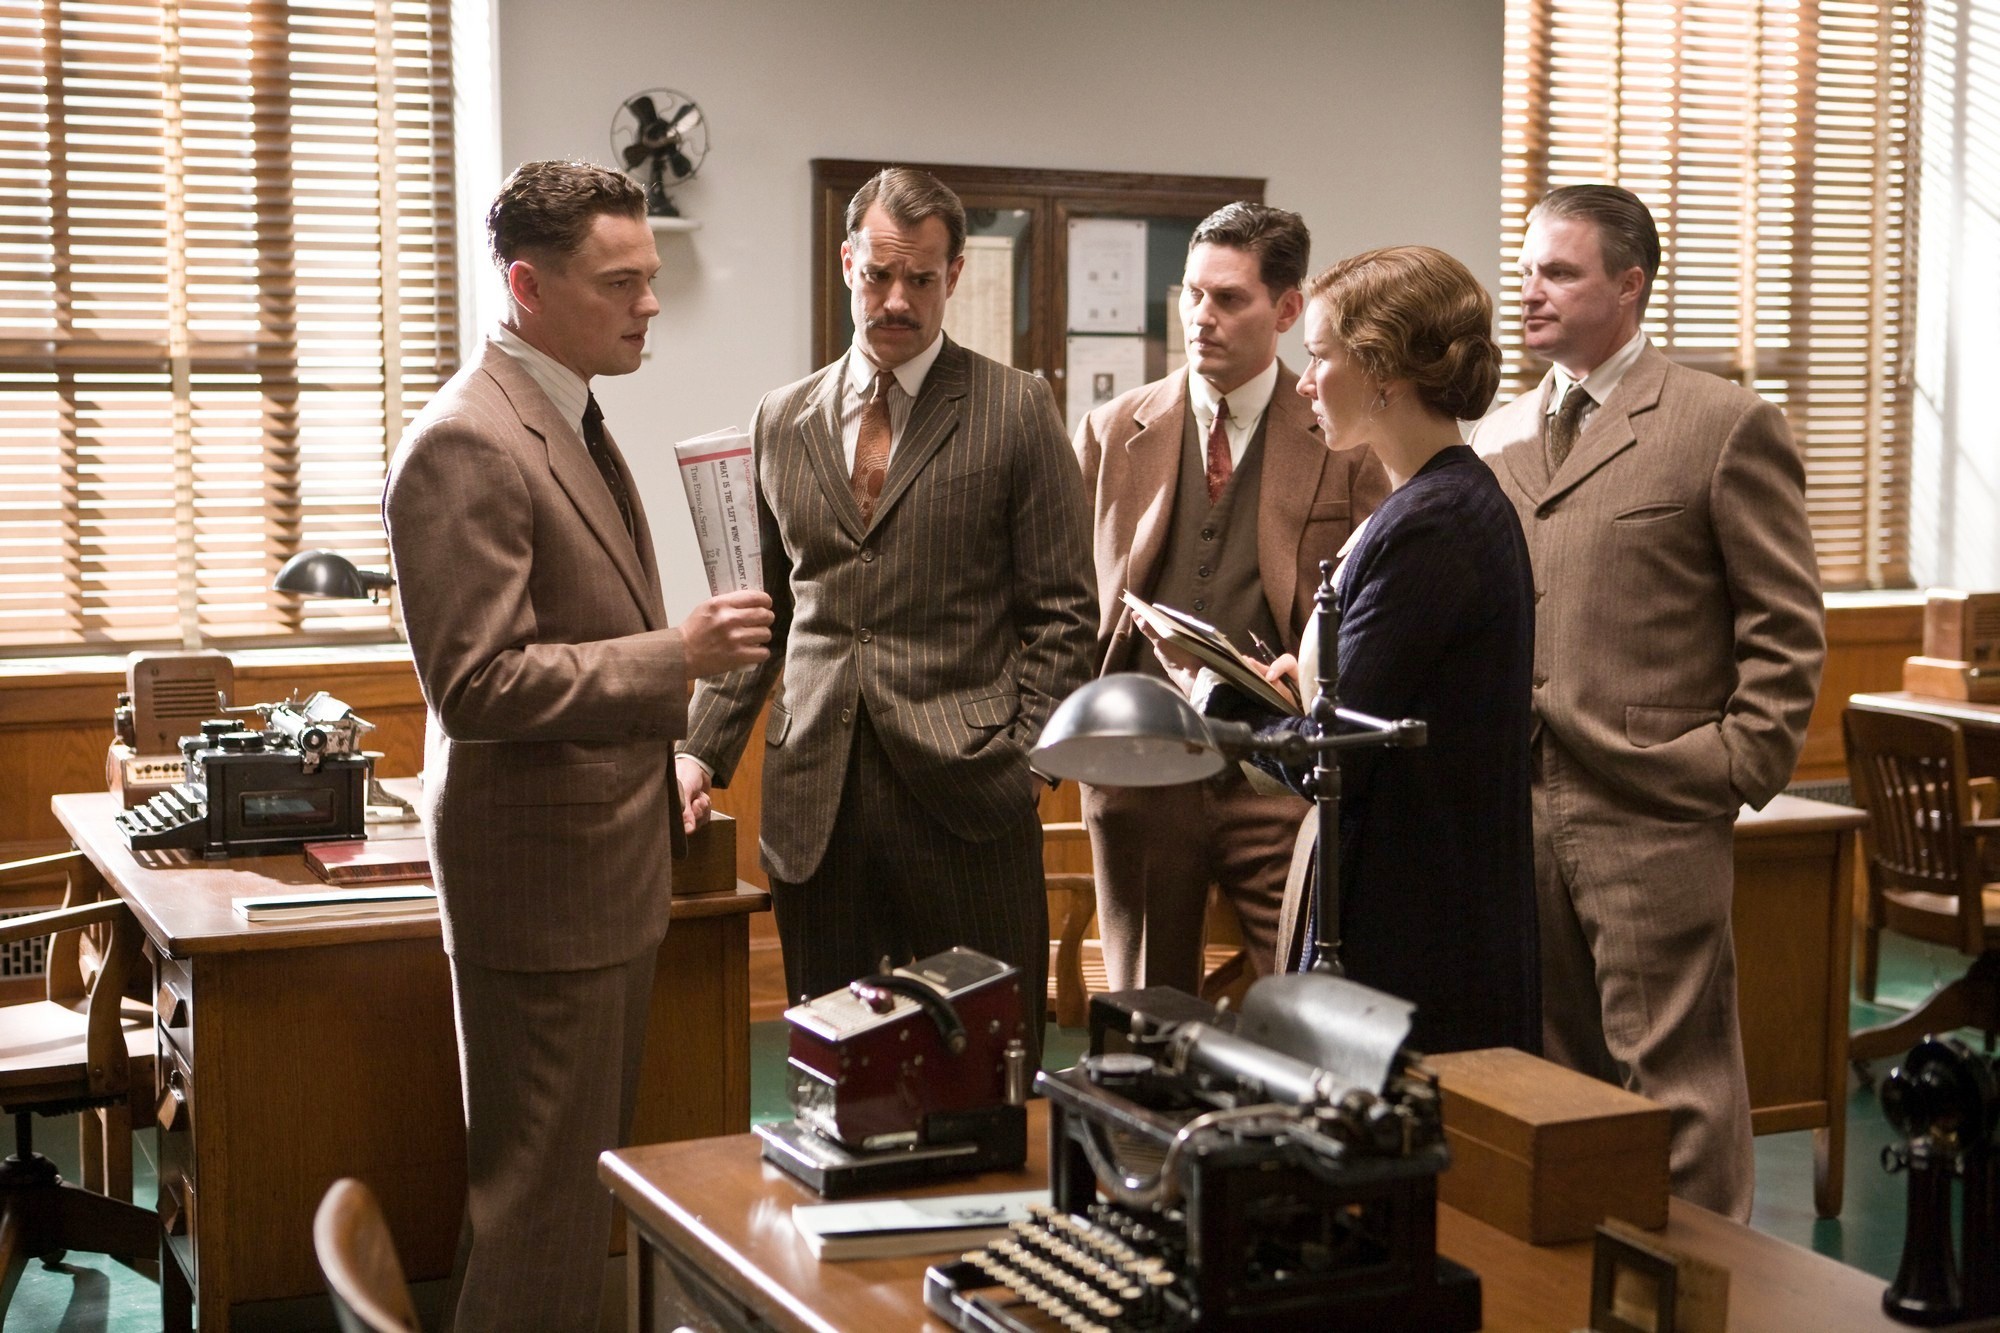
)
(358, 1257)
(1909, 774)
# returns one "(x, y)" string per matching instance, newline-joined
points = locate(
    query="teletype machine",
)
(303, 778)
(918, 1073)
(1270, 1170)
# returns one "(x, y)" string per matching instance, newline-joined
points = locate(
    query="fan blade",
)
(642, 107)
(687, 110)
(682, 167)
(635, 153)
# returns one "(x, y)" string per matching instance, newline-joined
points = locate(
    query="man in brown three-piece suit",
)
(1678, 642)
(1212, 491)
(925, 545)
(555, 690)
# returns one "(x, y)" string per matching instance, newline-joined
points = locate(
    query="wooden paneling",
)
(1865, 648)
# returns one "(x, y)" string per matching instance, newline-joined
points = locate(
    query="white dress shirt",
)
(1599, 383)
(566, 389)
(858, 384)
(1247, 404)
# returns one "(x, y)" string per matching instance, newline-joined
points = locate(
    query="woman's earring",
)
(1381, 399)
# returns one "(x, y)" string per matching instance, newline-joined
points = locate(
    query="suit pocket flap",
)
(557, 784)
(776, 725)
(1656, 726)
(1326, 511)
(992, 710)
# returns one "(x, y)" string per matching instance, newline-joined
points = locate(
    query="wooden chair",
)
(1925, 848)
(1076, 961)
(86, 1047)
(358, 1257)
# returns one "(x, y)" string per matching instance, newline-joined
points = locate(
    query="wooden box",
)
(1545, 1153)
(1962, 627)
(710, 865)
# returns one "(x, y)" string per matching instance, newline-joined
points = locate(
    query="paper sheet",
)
(720, 479)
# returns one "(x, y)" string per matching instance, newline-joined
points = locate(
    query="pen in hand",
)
(1264, 650)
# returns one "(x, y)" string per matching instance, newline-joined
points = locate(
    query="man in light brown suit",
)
(555, 690)
(1678, 642)
(1211, 491)
(925, 544)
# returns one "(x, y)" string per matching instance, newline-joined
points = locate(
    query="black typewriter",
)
(1270, 1170)
(301, 778)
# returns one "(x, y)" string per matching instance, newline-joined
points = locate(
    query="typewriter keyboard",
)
(1103, 1273)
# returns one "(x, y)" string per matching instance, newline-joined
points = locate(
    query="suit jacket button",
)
(1540, 680)
(1201, 604)
(867, 557)
(866, 637)
(846, 715)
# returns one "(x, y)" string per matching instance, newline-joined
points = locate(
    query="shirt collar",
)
(568, 391)
(1603, 381)
(1247, 400)
(910, 375)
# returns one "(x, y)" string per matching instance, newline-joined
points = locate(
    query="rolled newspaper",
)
(721, 488)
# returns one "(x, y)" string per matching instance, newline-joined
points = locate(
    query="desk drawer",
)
(174, 1113)
(173, 1007)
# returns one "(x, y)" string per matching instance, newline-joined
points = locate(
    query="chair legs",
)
(1973, 1000)
(44, 1217)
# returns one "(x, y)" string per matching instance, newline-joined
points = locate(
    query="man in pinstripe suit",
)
(555, 689)
(927, 550)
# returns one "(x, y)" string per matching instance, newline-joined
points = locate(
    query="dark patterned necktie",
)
(1565, 424)
(1219, 464)
(600, 454)
(871, 449)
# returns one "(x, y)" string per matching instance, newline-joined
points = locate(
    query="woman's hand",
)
(1181, 666)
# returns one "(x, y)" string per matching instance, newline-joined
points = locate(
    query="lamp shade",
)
(328, 574)
(1127, 730)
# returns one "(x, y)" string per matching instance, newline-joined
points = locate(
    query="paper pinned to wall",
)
(980, 314)
(1099, 369)
(1107, 275)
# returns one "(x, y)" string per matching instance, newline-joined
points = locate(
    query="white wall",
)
(1379, 120)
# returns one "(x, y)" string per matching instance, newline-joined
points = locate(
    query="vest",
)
(1208, 567)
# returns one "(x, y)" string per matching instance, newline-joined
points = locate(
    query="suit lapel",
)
(819, 430)
(1295, 459)
(1609, 431)
(570, 462)
(1525, 459)
(933, 418)
(1153, 468)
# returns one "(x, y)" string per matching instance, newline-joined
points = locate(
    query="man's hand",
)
(727, 632)
(695, 804)
(1181, 666)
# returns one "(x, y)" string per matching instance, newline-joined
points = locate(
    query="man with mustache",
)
(926, 549)
(1213, 492)
(1679, 634)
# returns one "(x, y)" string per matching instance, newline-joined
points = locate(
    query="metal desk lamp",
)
(1129, 730)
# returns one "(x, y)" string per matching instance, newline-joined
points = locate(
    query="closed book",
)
(886, 1228)
(370, 860)
(409, 900)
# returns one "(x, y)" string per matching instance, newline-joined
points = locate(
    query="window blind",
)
(1774, 141)
(226, 284)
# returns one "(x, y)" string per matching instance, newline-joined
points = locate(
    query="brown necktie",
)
(1564, 426)
(600, 454)
(1218, 451)
(871, 449)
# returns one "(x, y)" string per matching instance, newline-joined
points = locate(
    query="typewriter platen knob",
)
(1117, 1070)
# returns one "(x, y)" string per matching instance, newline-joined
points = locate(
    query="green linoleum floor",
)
(91, 1294)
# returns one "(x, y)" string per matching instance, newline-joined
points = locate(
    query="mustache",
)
(891, 322)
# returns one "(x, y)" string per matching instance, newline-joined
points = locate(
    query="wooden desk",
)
(292, 1054)
(1980, 722)
(1793, 922)
(715, 1230)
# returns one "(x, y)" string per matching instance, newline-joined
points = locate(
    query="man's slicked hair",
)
(545, 209)
(1278, 238)
(1625, 232)
(909, 196)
